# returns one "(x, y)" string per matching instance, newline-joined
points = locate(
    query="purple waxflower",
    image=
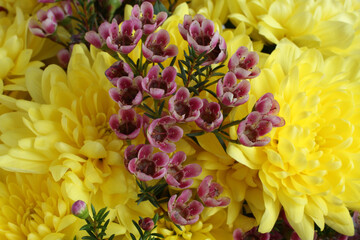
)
(176, 174)
(267, 105)
(117, 70)
(124, 41)
(99, 39)
(210, 116)
(143, 18)
(148, 166)
(218, 54)
(126, 124)
(155, 49)
(253, 234)
(200, 34)
(128, 92)
(208, 192)
(162, 132)
(181, 212)
(131, 152)
(183, 108)
(252, 129)
(146, 224)
(243, 64)
(160, 87)
(47, 25)
(230, 92)
(80, 210)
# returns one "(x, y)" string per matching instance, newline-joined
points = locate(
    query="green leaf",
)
(197, 133)
(132, 236)
(157, 235)
(138, 228)
(218, 74)
(221, 141)
(86, 227)
(159, 7)
(161, 107)
(173, 61)
(112, 237)
(161, 66)
(211, 92)
(93, 210)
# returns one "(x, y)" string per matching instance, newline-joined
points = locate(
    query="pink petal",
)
(149, 28)
(93, 38)
(182, 94)
(195, 208)
(208, 27)
(136, 11)
(229, 79)
(175, 133)
(178, 158)
(160, 18)
(147, 52)
(153, 72)
(127, 27)
(114, 29)
(194, 29)
(158, 59)
(161, 159)
(156, 93)
(184, 197)
(104, 30)
(192, 170)
(203, 188)
(167, 147)
(162, 37)
(147, 10)
(132, 165)
(171, 51)
(169, 74)
(145, 151)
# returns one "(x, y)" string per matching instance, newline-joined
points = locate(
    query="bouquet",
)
(179, 120)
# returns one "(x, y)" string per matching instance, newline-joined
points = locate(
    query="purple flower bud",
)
(147, 166)
(243, 64)
(208, 193)
(128, 92)
(252, 129)
(94, 39)
(126, 124)
(230, 92)
(176, 173)
(64, 57)
(267, 105)
(183, 108)
(181, 212)
(143, 18)
(117, 70)
(159, 87)
(47, 25)
(253, 234)
(125, 40)
(58, 13)
(155, 49)
(210, 116)
(80, 210)
(162, 132)
(146, 224)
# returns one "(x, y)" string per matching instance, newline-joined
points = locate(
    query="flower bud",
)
(80, 210)
(146, 224)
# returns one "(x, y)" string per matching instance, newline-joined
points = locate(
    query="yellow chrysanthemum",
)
(311, 167)
(34, 207)
(65, 131)
(26, 6)
(331, 26)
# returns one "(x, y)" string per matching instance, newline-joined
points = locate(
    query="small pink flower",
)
(146, 224)
(183, 108)
(143, 18)
(208, 192)
(125, 40)
(218, 54)
(47, 25)
(253, 234)
(243, 64)
(63, 56)
(148, 166)
(117, 70)
(176, 173)
(181, 212)
(131, 152)
(210, 116)
(256, 125)
(230, 92)
(267, 105)
(99, 39)
(200, 34)
(126, 124)
(162, 132)
(128, 92)
(155, 49)
(160, 87)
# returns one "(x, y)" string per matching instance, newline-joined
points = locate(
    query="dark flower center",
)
(176, 172)
(203, 40)
(208, 117)
(182, 109)
(127, 128)
(158, 84)
(116, 72)
(251, 133)
(128, 95)
(159, 133)
(146, 166)
(157, 49)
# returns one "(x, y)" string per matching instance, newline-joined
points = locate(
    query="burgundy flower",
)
(143, 17)
(200, 34)
(117, 70)
(131, 152)
(253, 234)
(256, 125)
(210, 116)
(147, 166)
(162, 132)
(155, 49)
(267, 105)
(125, 40)
(99, 39)
(181, 212)
(243, 64)
(128, 92)
(146, 224)
(126, 124)
(230, 92)
(160, 87)
(183, 108)
(176, 173)
(47, 25)
(208, 193)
